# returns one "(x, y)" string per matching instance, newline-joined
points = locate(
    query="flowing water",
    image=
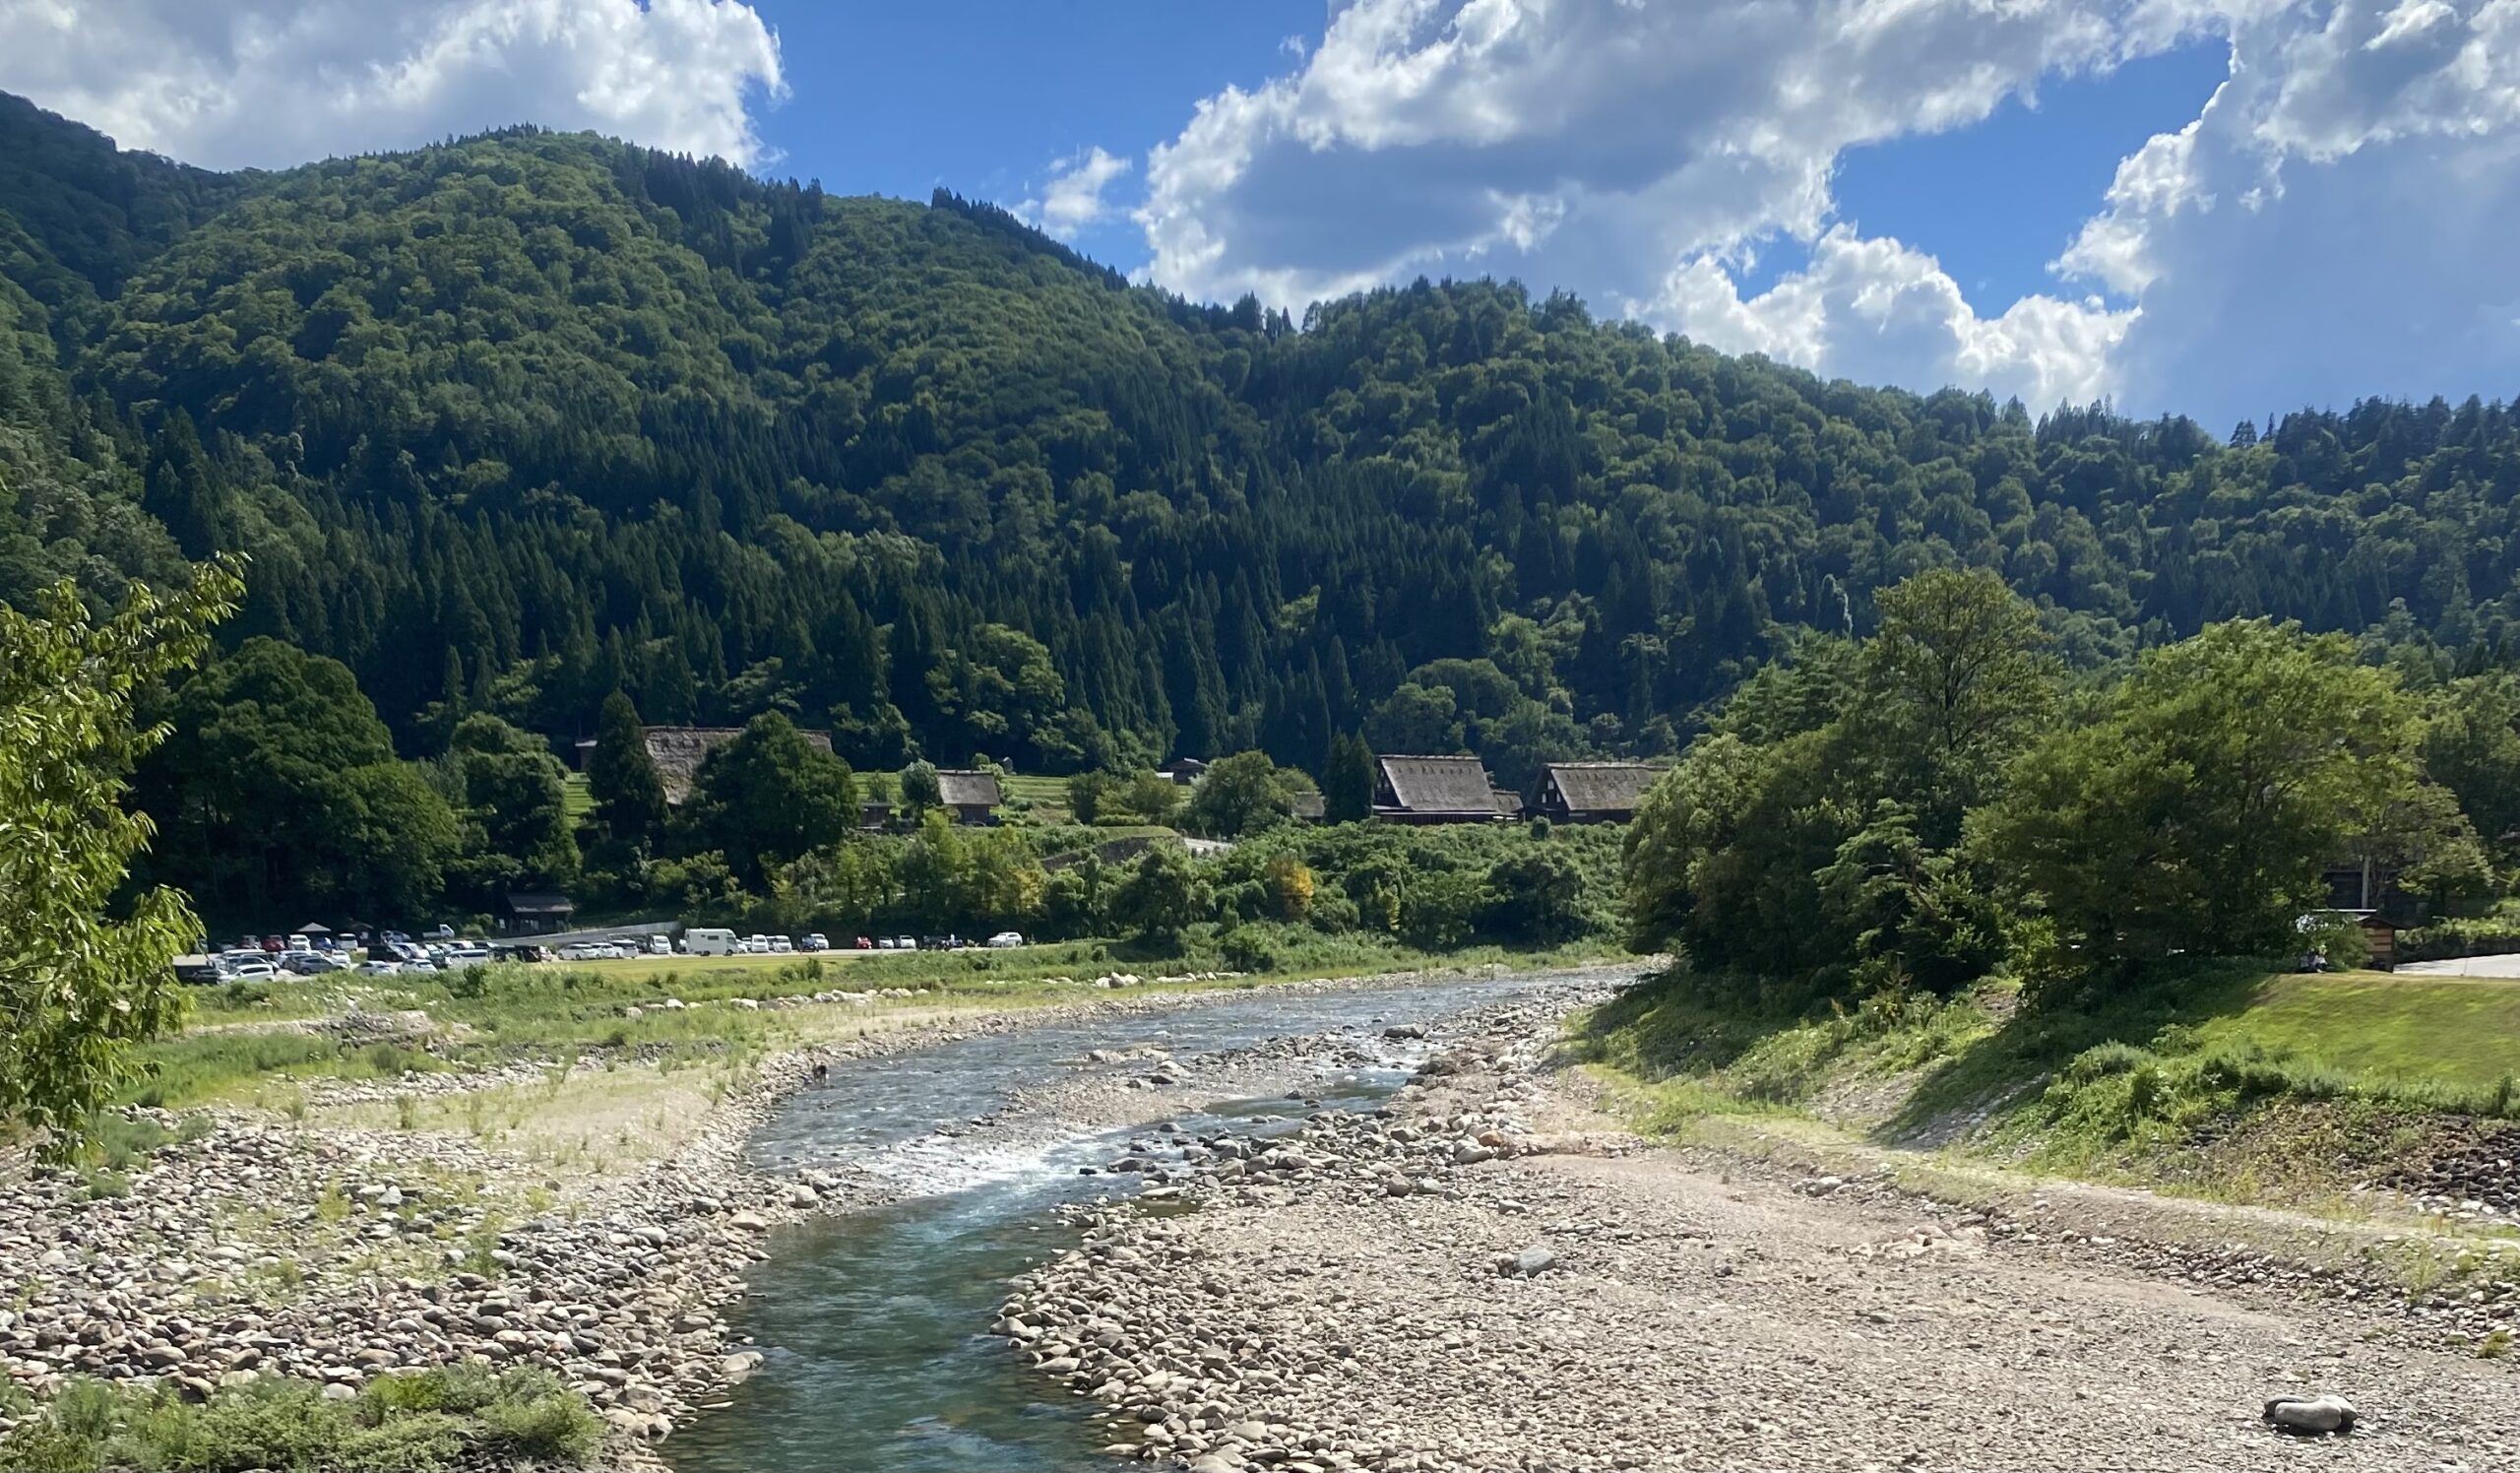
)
(874, 1324)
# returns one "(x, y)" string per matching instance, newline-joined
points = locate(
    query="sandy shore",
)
(1489, 1276)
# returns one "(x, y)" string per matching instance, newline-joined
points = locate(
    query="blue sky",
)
(899, 98)
(2215, 206)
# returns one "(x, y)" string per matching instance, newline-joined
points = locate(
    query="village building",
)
(1184, 772)
(676, 753)
(1591, 792)
(1434, 789)
(970, 797)
(538, 915)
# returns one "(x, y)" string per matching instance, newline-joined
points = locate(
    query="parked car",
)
(467, 954)
(378, 967)
(444, 931)
(816, 941)
(907, 943)
(256, 971)
(783, 946)
(1006, 938)
(310, 963)
(864, 945)
(659, 945)
(708, 940)
(889, 943)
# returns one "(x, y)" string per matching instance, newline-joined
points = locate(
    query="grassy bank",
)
(2230, 1080)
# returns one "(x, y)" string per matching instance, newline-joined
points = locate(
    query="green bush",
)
(399, 1423)
(1245, 949)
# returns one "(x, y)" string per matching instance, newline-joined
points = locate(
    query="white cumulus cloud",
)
(2336, 223)
(232, 83)
(1073, 198)
(2333, 222)
(1876, 311)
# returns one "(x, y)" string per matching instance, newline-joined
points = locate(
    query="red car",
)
(273, 945)
(864, 945)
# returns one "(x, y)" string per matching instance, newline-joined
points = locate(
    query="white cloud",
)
(1073, 198)
(1876, 311)
(2334, 223)
(231, 83)
(2337, 223)
(1422, 134)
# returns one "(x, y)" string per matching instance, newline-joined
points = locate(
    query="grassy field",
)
(1047, 796)
(2459, 1034)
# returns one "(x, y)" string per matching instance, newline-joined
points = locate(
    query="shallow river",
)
(874, 1323)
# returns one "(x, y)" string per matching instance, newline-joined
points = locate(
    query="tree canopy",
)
(81, 977)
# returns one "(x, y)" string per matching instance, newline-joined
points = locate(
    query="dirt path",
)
(1699, 1315)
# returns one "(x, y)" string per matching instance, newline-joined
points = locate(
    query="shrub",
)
(1247, 950)
(559, 1428)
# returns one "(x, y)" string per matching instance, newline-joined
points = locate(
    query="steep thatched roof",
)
(1438, 785)
(968, 790)
(1599, 787)
(679, 751)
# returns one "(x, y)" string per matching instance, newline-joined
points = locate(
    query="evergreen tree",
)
(621, 778)
(1347, 781)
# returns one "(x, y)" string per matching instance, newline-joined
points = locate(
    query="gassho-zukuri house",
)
(1436, 790)
(1591, 792)
(678, 752)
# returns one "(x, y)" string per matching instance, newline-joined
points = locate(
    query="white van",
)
(705, 940)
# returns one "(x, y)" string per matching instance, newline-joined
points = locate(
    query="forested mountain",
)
(510, 422)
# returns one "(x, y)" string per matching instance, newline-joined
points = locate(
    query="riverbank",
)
(1494, 1275)
(592, 1212)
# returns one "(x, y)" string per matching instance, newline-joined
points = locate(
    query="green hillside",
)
(510, 424)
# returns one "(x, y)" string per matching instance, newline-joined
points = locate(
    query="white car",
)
(467, 954)
(817, 941)
(379, 968)
(782, 946)
(909, 943)
(248, 972)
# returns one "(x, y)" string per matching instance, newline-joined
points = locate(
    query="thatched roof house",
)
(972, 796)
(1434, 789)
(1593, 792)
(679, 751)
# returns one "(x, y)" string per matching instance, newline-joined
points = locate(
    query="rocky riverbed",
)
(249, 1245)
(1482, 1276)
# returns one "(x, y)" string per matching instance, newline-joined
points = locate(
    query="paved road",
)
(2507, 964)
